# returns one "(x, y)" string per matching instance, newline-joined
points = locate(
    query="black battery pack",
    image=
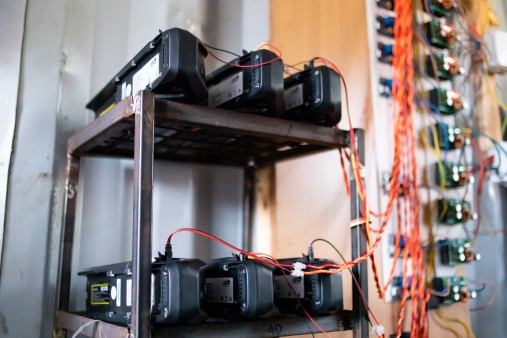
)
(238, 288)
(175, 293)
(256, 87)
(313, 96)
(318, 294)
(171, 65)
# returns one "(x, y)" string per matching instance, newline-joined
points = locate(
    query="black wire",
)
(222, 50)
(344, 261)
(299, 302)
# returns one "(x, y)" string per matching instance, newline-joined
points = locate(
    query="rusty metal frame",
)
(136, 120)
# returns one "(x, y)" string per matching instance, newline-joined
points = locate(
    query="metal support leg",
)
(67, 233)
(143, 107)
(249, 202)
(359, 247)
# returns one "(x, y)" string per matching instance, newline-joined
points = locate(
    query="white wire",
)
(81, 328)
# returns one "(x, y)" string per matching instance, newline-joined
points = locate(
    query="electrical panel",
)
(454, 211)
(447, 101)
(453, 290)
(443, 66)
(440, 34)
(457, 251)
(454, 175)
(449, 138)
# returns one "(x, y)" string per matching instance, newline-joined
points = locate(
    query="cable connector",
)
(168, 252)
(298, 269)
(379, 330)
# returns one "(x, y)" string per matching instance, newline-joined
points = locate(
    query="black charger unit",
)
(171, 65)
(313, 96)
(256, 86)
(235, 287)
(318, 294)
(175, 292)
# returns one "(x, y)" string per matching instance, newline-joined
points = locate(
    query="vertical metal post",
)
(67, 233)
(249, 202)
(143, 107)
(359, 247)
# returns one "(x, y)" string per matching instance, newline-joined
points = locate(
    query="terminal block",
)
(449, 138)
(454, 211)
(441, 8)
(385, 53)
(397, 287)
(385, 87)
(455, 175)
(386, 4)
(439, 34)
(392, 244)
(453, 290)
(448, 102)
(385, 25)
(457, 251)
(447, 66)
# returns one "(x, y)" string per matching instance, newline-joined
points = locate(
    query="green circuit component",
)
(448, 137)
(447, 67)
(448, 102)
(454, 211)
(452, 289)
(454, 175)
(441, 8)
(457, 251)
(439, 34)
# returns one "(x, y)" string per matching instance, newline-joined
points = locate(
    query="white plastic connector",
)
(298, 269)
(297, 273)
(299, 266)
(379, 330)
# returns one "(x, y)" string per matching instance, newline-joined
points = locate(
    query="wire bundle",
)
(406, 177)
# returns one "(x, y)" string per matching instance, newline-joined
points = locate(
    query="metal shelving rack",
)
(148, 128)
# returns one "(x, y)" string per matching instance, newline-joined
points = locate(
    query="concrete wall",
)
(70, 50)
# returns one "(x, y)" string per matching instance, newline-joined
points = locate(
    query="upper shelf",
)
(193, 133)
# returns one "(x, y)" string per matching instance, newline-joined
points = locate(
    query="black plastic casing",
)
(252, 284)
(320, 100)
(262, 91)
(175, 292)
(182, 72)
(323, 293)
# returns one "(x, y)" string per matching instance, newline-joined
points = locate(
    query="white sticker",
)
(146, 75)
(219, 290)
(118, 292)
(113, 292)
(126, 90)
(123, 90)
(282, 289)
(129, 293)
(293, 96)
(152, 289)
(226, 90)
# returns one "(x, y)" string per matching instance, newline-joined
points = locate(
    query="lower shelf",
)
(277, 327)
